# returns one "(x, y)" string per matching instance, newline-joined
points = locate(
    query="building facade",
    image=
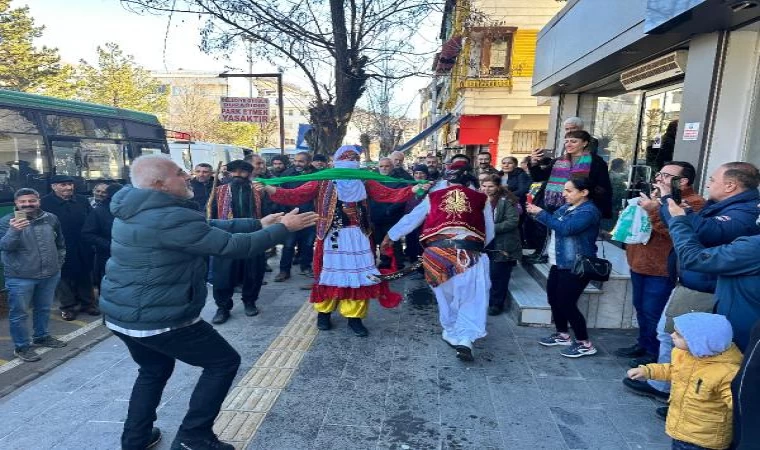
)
(655, 80)
(483, 76)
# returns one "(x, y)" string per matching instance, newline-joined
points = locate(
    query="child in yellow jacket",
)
(704, 361)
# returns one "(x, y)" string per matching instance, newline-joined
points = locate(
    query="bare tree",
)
(336, 44)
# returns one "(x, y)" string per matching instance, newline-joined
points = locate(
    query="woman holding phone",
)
(574, 228)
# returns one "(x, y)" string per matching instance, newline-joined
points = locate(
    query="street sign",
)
(245, 109)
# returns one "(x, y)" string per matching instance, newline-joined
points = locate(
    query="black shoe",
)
(155, 438)
(251, 310)
(643, 361)
(200, 444)
(634, 351)
(464, 353)
(358, 327)
(221, 316)
(26, 354)
(662, 412)
(643, 388)
(323, 321)
(48, 341)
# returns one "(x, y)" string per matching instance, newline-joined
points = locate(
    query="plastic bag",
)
(633, 226)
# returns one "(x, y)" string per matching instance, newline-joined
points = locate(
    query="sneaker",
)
(26, 354)
(155, 438)
(464, 351)
(555, 339)
(48, 341)
(577, 350)
(220, 317)
(201, 444)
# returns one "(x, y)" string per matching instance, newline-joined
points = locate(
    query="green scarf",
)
(337, 174)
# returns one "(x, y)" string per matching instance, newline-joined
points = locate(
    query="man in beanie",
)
(457, 224)
(235, 200)
(279, 165)
(74, 292)
(703, 364)
(319, 162)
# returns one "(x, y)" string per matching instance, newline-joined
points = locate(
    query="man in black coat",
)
(385, 215)
(74, 292)
(97, 231)
(234, 200)
(202, 183)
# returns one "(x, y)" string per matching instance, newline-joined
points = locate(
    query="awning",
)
(448, 55)
(426, 132)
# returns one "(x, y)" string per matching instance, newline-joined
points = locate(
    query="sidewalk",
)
(400, 388)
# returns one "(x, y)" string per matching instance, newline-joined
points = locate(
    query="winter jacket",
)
(38, 251)
(156, 276)
(700, 396)
(72, 214)
(386, 214)
(97, 233)
(201, 192)
(652, 258)
(575, 231)
(506, 239)
(517, 181)
(716, 224)
(737, 268)
(598, 175)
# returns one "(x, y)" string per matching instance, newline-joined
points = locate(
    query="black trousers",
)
(746, 392)
(198, 345)
(500, 273)
(563, 290)
(535, 234)
(252, 276)
(75, 293)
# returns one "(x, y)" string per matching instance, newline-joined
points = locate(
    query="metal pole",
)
(434, 112)
(282, 113)
(250, 68)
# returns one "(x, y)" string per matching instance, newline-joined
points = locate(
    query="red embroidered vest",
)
(455, 207)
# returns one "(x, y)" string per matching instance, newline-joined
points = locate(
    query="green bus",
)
(44, 136)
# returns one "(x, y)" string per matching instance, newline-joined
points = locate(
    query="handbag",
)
(592, 268)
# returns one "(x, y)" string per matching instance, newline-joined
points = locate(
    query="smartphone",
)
(19, 215)
(675, 189)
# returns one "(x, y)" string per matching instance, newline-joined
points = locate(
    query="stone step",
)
(528, 299)
(540, 273)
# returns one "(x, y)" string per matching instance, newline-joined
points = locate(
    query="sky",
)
(77, 27)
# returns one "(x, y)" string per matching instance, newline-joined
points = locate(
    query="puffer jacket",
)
(506, 239)
(38, 251)
(700, 396)
(156, 276)
(575, 231)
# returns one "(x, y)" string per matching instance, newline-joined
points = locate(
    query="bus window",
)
(22, 164)
(18, 121)
(90, 159)
(64, 125)
(147, 148)
(144, 131)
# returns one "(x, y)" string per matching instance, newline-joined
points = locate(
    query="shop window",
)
(525, 141)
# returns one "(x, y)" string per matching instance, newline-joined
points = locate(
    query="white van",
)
(188, 154)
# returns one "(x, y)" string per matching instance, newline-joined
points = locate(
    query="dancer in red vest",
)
(344, 263)
(457, 223)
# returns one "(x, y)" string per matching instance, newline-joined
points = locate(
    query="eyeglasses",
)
(664, 175)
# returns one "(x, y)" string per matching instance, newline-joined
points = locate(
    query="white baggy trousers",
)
(463, 302)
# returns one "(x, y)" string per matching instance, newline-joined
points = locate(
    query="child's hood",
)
(705, 334)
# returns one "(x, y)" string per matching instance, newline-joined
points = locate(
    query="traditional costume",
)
(457, 224)
(344, 263)
(235, 200)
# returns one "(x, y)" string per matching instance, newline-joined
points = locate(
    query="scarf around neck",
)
(563, 170)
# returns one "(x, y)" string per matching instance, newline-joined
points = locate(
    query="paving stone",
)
(341, 437)
(359, 403)
(530, 445)
(567, 392)
(413, 391)
(533, 423)
(638, 424)
(465, 399)
(587, 429)
(615, 393)
(464, 439)
(409, 434)
(600, 367)
(552, 364)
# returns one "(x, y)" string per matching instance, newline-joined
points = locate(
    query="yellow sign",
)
(486, 83)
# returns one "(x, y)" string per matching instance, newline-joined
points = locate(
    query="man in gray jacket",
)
(155, 288)
(33, 251)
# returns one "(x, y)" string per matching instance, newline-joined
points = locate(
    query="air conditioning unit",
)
(665, 67)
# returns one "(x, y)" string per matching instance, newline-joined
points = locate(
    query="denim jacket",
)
(575, 231)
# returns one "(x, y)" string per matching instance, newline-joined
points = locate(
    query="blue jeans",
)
(681, 445)
(24, 293)
(305, 241)
(666, 348)
(650, 294)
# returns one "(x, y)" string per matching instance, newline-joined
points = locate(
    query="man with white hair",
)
(576, 124)
(155, 288)
(398, 166)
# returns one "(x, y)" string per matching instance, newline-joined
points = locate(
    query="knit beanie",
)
(705, 334)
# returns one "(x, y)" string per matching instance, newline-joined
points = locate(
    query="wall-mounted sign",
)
(245, 109)
(691, 131)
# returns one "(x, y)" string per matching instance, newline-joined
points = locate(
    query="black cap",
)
(320, 157)
(61, 179)
(421, 168)
(239, 164)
